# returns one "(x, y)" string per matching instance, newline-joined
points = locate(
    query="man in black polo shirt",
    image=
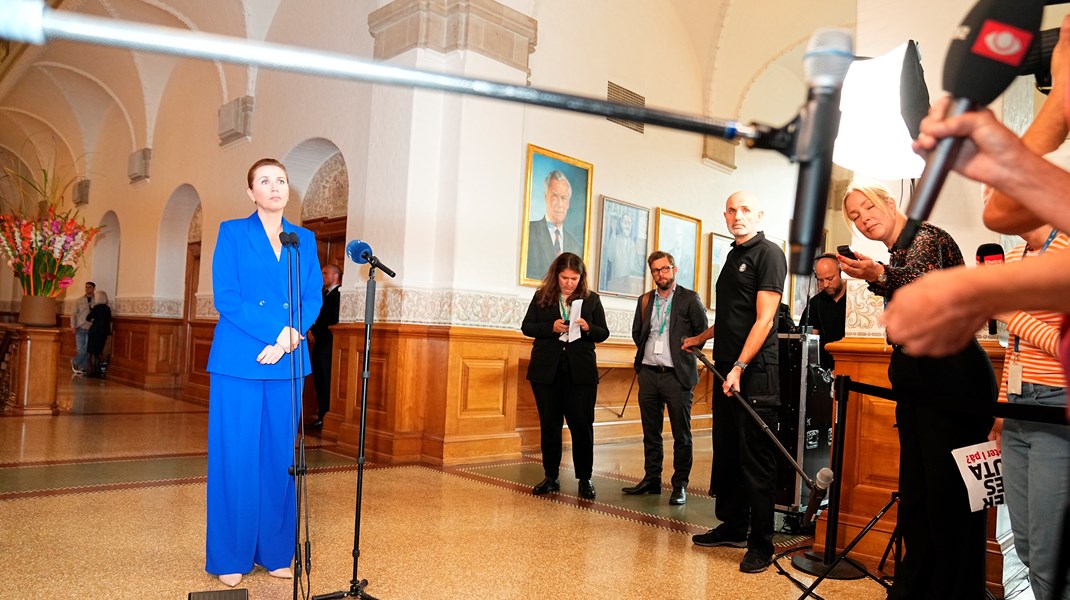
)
(826, 312)
(744, 459)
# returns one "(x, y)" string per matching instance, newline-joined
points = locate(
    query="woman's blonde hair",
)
(875, 192)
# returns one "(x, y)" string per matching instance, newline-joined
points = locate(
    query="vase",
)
(38, 311)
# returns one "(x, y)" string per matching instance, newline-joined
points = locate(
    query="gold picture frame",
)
(720, 246)
(680, 235)
(547, 169)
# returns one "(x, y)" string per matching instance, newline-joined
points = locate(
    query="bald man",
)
(749, 289)
(826, 312)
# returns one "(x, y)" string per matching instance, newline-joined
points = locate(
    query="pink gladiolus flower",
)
(65, 282)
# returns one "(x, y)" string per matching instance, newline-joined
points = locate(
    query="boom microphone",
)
(822, 481)
(360, 252)
(990, 254)
(828, 56)
(984, 57)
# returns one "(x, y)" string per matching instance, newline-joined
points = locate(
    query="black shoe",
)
(550, 484)
(755, 561)
(678, 497)
(587, 489)
(317, 424)
(716, 537)
(643, 487)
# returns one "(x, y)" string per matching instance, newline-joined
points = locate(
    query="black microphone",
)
(828, 56)
(289, 239)
(985, 56)
(360, 252)
(990, 254)
(822, 481)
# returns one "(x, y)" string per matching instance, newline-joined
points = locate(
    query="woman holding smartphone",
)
(564, 373)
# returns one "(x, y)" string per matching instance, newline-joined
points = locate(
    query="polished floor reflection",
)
(107, 501)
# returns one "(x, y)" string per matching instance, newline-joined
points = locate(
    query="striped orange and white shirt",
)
(1037, 331)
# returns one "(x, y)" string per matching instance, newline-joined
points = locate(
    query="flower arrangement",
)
(46, 248)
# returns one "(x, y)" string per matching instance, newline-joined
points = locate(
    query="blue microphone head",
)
(358, 251)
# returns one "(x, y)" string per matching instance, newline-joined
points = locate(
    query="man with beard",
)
(667, 374)
(749, 289)
(826, 312)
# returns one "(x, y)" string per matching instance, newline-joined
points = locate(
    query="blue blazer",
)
(250, 291)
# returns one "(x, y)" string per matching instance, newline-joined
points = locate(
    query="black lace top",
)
(933, 248)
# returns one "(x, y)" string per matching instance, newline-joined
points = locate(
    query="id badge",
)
(659, 347)
(1014, 378)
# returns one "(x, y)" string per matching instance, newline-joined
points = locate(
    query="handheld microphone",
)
(360, 252)
(989, 254)
(822, 481)
(828, 56)
(984, 57)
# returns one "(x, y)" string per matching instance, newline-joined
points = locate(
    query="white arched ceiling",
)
(38, 143)
(171, 242)
(105, 264)
(302, 162)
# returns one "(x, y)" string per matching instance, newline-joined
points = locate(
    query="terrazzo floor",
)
(107, 501)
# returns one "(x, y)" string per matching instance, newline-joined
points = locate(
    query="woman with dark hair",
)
(99, 318)
(564, 374)
(252, 421)
(942, 404)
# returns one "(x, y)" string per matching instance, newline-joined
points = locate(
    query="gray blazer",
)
(687, 319)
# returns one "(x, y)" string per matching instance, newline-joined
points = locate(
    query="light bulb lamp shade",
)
(883, 102)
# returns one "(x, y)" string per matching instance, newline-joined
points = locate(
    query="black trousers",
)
(744, 458)
(658, 391)
(941, 405)
(321, 376)
(563, 401)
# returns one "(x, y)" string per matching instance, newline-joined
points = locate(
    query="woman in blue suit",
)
(251, 419)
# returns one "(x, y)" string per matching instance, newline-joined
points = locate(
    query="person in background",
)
(252, 422)
(564, 373)
(942, 404)
(1036, 456)
(826, 312)
(323, 340)
(81, 328)
(99, 318)
(667, 375)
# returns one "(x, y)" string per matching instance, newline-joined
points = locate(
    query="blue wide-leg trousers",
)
(251, 512)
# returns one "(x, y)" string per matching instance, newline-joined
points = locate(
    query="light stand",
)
(357, 585)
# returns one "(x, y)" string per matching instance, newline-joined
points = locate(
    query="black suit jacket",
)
(328, 316)
(547, 350)
(541, 250)
(687, 319)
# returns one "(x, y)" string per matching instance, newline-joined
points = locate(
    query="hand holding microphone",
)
(992, 43)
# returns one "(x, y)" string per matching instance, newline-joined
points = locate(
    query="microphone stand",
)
(356, 585)
(299, 469)
(757, 419)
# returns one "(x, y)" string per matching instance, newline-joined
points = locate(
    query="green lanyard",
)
(564, 311)
(664, 317)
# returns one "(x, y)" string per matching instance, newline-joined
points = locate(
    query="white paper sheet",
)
(981, 468)
(574, 330)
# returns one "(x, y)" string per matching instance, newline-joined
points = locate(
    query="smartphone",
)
(845, 250)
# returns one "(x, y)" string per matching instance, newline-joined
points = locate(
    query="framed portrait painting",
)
(557, 211)
(681, 236)
(720, 245)
(623, 251)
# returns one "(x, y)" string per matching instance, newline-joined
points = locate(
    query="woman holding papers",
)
(566, 320)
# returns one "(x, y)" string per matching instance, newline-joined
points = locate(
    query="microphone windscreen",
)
(358, 251)
(990, 46)
(989, 253)
(829, 54)
(824, 478)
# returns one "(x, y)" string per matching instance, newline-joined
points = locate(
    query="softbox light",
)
(882, 104)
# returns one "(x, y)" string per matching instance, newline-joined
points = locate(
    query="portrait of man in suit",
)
(558, 200)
